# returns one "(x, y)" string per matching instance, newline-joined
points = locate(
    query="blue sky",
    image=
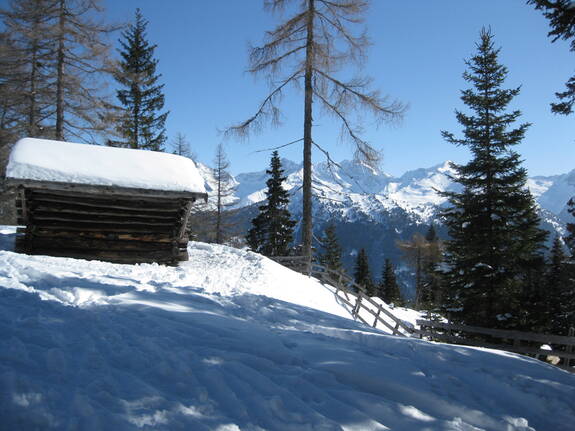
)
(417, 56)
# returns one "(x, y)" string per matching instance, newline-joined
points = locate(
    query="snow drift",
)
(232, 341)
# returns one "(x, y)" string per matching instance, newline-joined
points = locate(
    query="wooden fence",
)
(359, 304)
(349, 293)
(526, 343)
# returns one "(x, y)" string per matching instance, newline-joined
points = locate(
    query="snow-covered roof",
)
(65, 162)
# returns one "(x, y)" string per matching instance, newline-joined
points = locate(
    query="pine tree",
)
(495, 236)
(331, 250)
(388, 288)
(272, 229)
(557, 295)
(141, 124)
(362, 274)
(570, 239)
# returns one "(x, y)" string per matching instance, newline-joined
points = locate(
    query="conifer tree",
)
(494, 228)
(141, 124)
(558, 295)
(388, 288)
(362, 274)
(561, 16)
(272, 229)
(570, 239)
(331, 250)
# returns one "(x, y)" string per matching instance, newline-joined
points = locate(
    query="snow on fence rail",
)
(526, 343)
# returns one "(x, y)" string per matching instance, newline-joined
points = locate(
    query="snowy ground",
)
(232, 341)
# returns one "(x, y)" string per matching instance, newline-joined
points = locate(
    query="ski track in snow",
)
(232, 341)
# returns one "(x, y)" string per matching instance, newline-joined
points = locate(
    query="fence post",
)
(569, 348)
(377, 316)
(355, 311)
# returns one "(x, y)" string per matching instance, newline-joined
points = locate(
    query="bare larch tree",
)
(82, 56)
(311, 46)
(224, 189)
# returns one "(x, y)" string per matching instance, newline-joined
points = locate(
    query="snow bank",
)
(45, 160)
(205, 346)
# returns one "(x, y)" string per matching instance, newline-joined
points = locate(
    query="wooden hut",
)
(102, 203)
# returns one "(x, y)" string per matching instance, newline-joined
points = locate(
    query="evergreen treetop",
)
(362, 274)
(272, 229)
(331, 255)
(389, 289)
(141, 124)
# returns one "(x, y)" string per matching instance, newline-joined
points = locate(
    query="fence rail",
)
(356, 299)
(526, 343)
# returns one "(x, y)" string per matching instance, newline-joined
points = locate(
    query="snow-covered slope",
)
(231, 341)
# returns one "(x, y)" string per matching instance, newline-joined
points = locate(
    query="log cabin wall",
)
(104, 223)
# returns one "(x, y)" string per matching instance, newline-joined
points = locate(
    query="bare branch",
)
(278, 147)
(266, 109)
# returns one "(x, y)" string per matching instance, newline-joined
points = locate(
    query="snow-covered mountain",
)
(372, 209)
(356, 185)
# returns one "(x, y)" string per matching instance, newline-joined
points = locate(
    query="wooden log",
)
(75, 210)
(184, 220)
(38, 217)
(102, 227)
(124, 236)
(107, 255)
(94, 202)
(97, 244)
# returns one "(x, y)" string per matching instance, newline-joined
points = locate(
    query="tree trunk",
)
(219, 238)
(307, 139)
(60, 77)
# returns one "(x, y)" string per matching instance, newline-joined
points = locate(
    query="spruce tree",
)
(389, 290)
(272, 229)
(141, 124)
(431, 289)
(558, 295)
(570, 239)
(331, 250)
(494, 228)
(362, 274)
